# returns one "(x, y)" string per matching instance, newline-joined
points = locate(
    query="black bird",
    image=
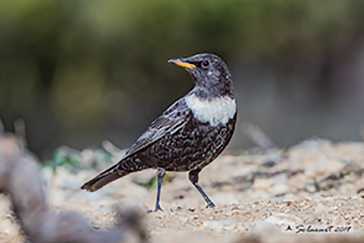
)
(190, 134)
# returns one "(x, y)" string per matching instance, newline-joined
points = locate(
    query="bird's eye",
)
(205, 63)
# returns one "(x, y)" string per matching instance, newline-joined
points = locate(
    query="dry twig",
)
(20, 180)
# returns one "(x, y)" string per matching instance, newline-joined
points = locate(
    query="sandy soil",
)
(257, 196)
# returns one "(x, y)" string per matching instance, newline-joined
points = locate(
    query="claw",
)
(210, 205)
(158, 208)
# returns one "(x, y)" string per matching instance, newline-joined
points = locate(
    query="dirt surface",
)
(257, 196)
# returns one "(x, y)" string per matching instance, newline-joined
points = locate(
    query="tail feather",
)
(104, 178)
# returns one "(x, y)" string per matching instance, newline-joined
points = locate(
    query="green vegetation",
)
(76, 161)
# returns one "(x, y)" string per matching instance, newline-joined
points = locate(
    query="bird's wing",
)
(172, 120)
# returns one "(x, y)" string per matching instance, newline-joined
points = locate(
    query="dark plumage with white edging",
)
(190, 134)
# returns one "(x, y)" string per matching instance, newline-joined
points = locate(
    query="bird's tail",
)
(104, 178)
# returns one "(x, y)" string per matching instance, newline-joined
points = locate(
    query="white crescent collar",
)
(215, 111)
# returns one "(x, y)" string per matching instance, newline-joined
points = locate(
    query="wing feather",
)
(172, 120)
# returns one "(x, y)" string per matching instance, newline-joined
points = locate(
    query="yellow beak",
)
(182, 63)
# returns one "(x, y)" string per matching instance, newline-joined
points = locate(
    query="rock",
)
(242, 173)
(263, 184)
(65, 180)
(47, 175)
(320, 212)
(218, 225)
(279, 189)
(263, 227)
(282, 220)
(247, 226)
(225, 198)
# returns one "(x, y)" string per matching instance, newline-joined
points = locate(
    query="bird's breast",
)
(215, 111)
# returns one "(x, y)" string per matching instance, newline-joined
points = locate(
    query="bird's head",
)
(211, 75)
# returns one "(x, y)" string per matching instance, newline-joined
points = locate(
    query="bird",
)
(188, 135)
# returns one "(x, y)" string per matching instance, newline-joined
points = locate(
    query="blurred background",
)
(79, 72)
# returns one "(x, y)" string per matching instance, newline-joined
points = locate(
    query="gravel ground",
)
(257, 196)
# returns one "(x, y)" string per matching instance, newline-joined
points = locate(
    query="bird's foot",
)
(210, 205)
(158, 208)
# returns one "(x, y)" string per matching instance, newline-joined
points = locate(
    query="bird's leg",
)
(193, 176)
(160, 174)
